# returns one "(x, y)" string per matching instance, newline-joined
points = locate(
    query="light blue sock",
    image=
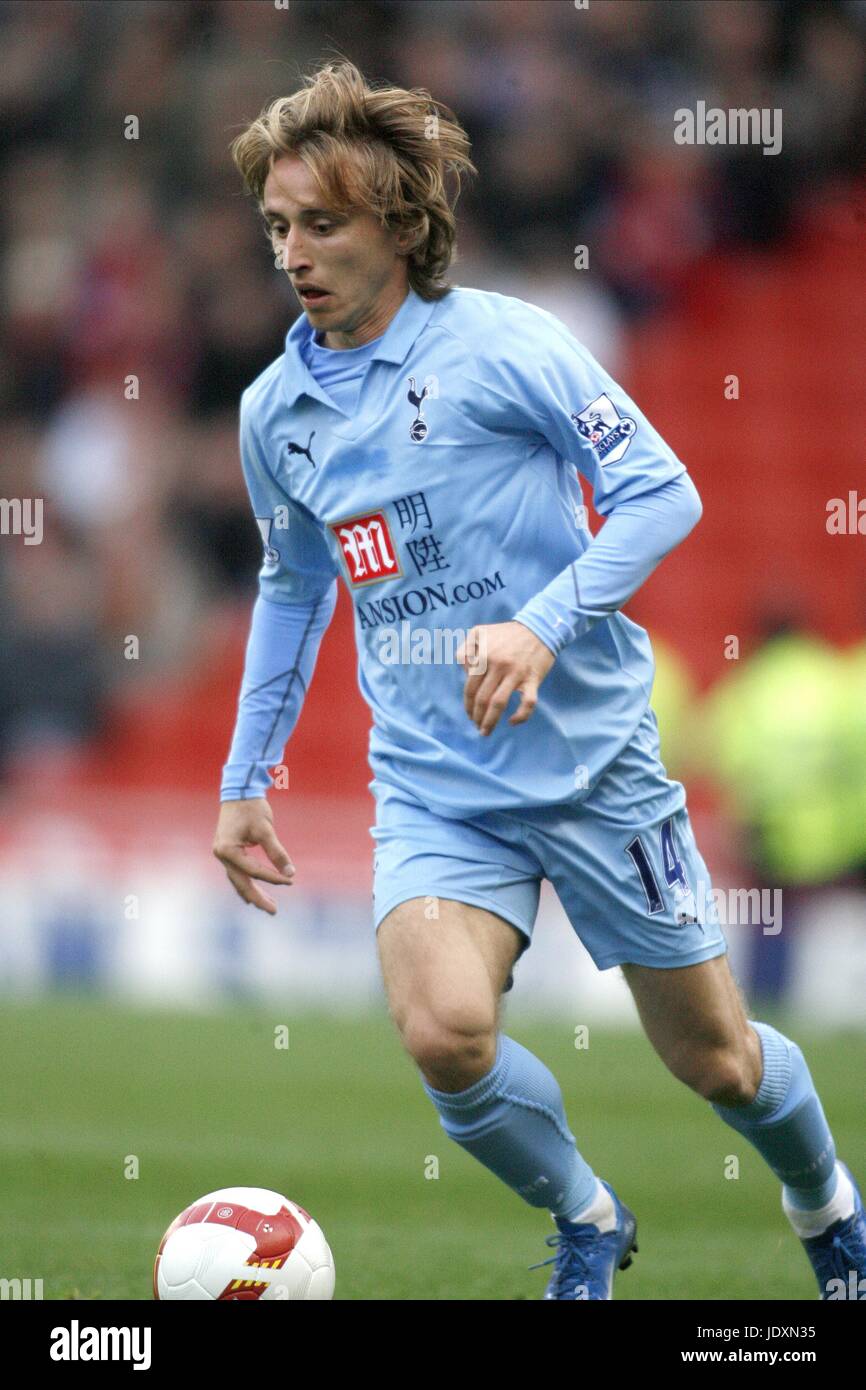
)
(786, 1124)
(513, 1121)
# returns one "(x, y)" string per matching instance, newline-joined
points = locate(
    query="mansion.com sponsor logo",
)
(414, 603)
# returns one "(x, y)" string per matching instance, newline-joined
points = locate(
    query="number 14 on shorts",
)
(674, 873)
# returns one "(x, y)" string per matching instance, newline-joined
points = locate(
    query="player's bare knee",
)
(734, 1089)
(739, 1070)
(719, 1075)
(449, 1052)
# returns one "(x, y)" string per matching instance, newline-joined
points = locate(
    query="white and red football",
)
(243, 1243)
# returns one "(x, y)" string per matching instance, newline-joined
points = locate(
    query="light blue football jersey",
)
(449, 496)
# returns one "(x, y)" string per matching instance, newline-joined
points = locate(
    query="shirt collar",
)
(394, 345)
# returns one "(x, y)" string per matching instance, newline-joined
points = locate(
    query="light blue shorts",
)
(623, 862)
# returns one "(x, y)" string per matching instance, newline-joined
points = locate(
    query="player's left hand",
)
(500, 658)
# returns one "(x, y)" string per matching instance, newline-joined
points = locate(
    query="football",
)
(243, 1243)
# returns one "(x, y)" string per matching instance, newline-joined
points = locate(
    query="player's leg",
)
(629, 874)
(454, 902)
(759, 1083)
(445, 965)
(756, 1078)
(444, 977)
(694, 1017)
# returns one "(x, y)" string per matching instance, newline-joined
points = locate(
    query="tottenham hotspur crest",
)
(419, 429)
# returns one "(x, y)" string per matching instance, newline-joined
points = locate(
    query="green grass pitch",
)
(339, 1122)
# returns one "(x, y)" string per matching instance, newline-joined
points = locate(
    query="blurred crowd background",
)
(142, 257)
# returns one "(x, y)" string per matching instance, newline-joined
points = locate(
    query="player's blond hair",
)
(386, 149)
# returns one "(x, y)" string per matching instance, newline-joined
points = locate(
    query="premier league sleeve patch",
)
(609, 433)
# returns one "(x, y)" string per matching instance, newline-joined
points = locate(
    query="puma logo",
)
(294, 448)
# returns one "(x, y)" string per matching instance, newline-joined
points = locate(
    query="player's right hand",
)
(241, 825)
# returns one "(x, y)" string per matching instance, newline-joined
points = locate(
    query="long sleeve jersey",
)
(440, 477)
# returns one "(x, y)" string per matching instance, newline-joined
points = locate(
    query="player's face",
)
(351, 259)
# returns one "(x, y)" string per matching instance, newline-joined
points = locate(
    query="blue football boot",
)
(838, 1255)
(587, 1258)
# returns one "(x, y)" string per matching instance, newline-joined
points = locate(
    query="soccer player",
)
(425, 443)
